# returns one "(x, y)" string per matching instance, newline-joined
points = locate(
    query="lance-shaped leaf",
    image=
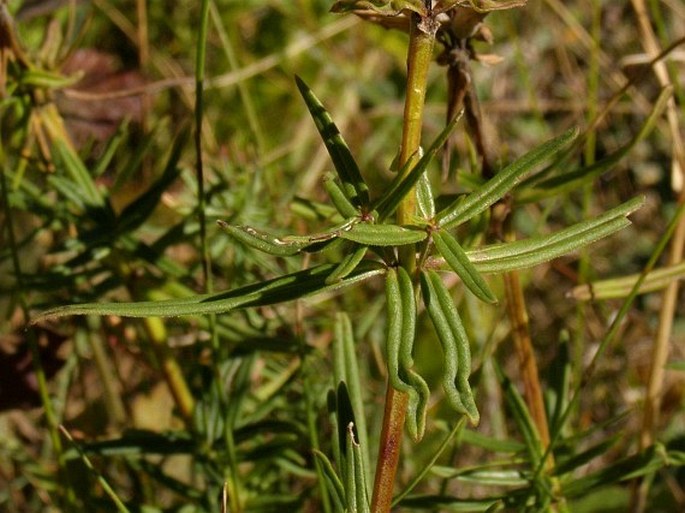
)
(285, 288)
(333, 482)
(382, 234)
(338, 198)
(455, 345)
(535, 250)
(400, 335)
(351, 178)
(456, 258)
(67, 159)
(347, 264)
(420, 393)
(287, 245)
(522, 417)
(494, 189)
(424, 198)
(346, 371)
(406, 180)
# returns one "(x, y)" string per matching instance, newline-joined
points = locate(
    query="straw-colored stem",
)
(421, 42)
(518, 317)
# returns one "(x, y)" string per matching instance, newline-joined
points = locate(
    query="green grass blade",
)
(348, 171)
(495, 188)
(120, 506)
(285, 288)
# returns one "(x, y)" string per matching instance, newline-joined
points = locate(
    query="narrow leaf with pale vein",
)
(382, 234)
(351, 178)
(285, 288)
(455, 345)
(495, 188)
(457, 259)
(535, 250)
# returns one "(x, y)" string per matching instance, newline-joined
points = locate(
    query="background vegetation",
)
(100, 203)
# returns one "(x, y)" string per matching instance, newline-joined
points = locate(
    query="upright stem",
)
(421, 41)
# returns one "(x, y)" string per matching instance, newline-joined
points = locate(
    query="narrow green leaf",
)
(75, 167)
(47, 79)
(455, 345)
(400, 335)
(350, 475)
(348, 264)
(535, 250)
(351, 178)
(287, 245)
(564, 466)
(491, 444)
(382, 234)
(457, 259)
(263, 241)
(495, 188)
(424, 198)
(111, 149)
(347, 370)
(333, 482)
(120, 506)
(631, 467)
(483, 476)
(360, 476)
(285, 288)
(405, 181)
(338, 198)
(449, 503)
(394, 330)
(420, 393)
(522, 417)
(142, 207)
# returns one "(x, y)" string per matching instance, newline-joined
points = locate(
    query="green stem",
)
(420, 53)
